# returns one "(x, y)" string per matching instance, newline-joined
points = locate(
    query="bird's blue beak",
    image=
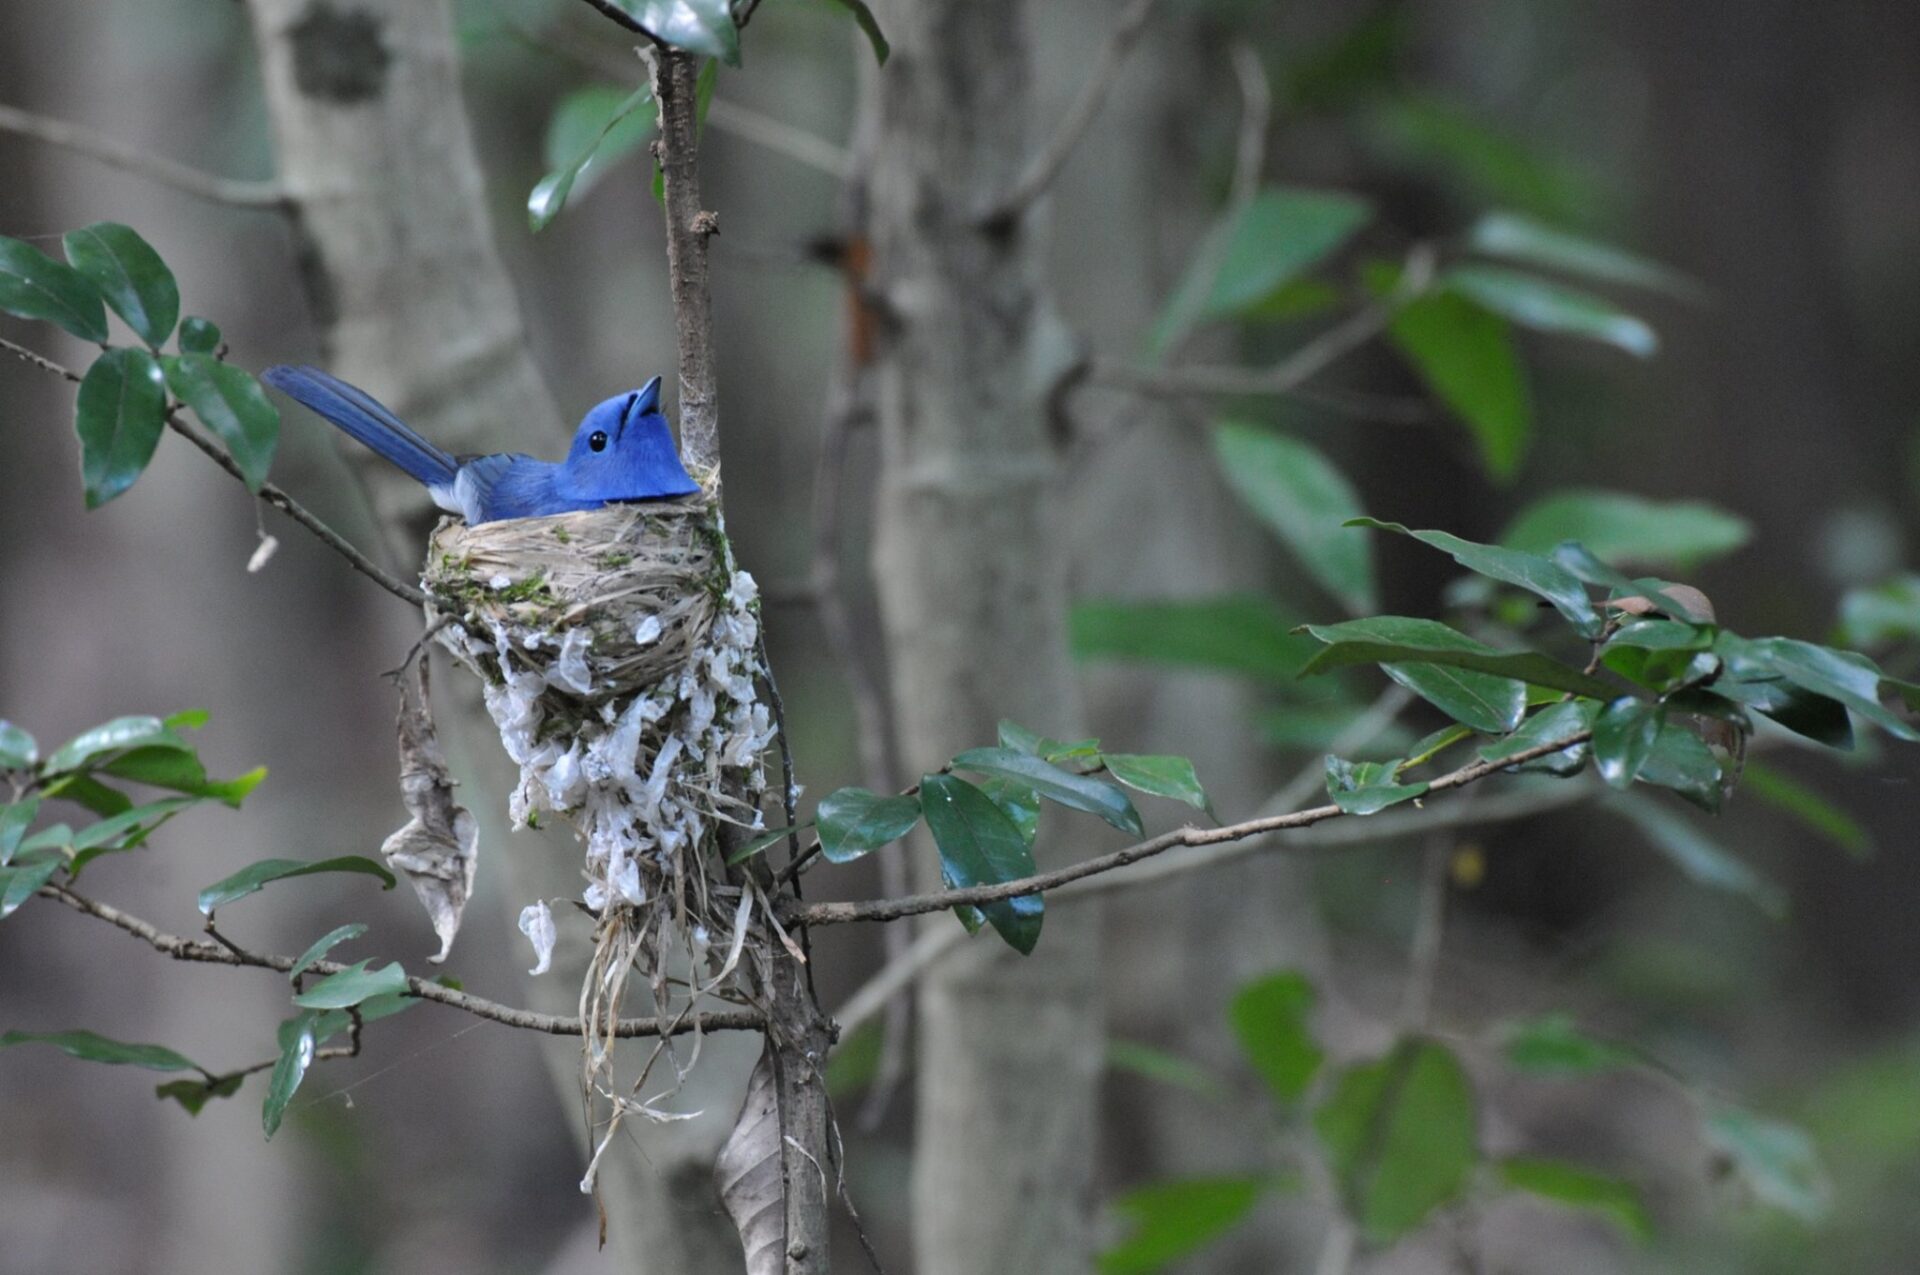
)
(649, 401)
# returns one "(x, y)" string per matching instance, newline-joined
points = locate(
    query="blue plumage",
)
(623, 450)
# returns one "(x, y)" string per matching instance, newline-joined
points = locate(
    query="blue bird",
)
(622, 451)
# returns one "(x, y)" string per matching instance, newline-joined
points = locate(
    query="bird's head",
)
(624, 450)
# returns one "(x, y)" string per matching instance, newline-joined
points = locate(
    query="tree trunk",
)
(972, 594)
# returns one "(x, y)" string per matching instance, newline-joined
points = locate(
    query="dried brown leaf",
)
(438, 849)
(747, 1172)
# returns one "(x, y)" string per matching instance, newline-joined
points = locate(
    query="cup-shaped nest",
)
(609, 601)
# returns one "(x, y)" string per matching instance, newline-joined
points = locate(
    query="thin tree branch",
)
(776, 134)
(209, 953)
(976, 896)
(269, 493)
(689, 227)
(82, 140)
(1045, 165)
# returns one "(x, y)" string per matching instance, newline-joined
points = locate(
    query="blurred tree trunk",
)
(414, 304)
(971, 584)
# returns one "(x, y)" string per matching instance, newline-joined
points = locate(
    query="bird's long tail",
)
(361, 415)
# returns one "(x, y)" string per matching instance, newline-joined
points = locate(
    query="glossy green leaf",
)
(1521, 239)
(1751, 682)
(1620, 528)
(18, 750)
(1366, 787)
(550, 194)
(1777, 1161)
(83, 789)
(766, 841)
(324, 944)
(854, 821)
(119, 734)
(698, 26)
(118, 415)
(1272, 1018)
(1887, 612)
(1236, 634)
(256, 876)
(1282, 233)
(196, 1094)
(1554, 1045)
(1465, 355)
(296, 1055)
(1171, 1220)
(1702, 859)
(869, 26)
(1580, 1188)
(231, 403)
(1305, 501)
(1076, 792)
(1017, 802)
(1682, 762)
(1851, 679)
(1158, 776)
(352, 985)
(1537, 575)
(15, 818)
(1553, 722)
(1400, 1137)
(35, 286)
(90, 1047)
(198, 335)
(129, 275)
(979, 845)
(19, 881)
(1623, 736)
(1021, 740)
(1803, 804)
(1545, 306)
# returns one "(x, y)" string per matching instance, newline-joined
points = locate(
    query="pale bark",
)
(972, 595)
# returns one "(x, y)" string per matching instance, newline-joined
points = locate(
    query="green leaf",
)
(1172, 777)
(1682, 762)
(1466, 357)
(118, 415)
(980, 846)
(1851, 679)
(1545, 306)
(127, 830)
(296, 1055)
(550, 194)
(1887, 612)
(84, 790)
(1367, 787)
(1554, 1045)
(1174, 1219)
(1699, 856)
(109, 737)
(1483, 163)
(868, 25)
(15, 819)
(1400, 1136)
(1305, 501)
(353, 985)
(855, 1060)
(19, 882)
(1143, 1060)
(89, 1047)
(1553, 722)
(1021, 740)
(324, 944)
(1803, 804)
(129, 275)
(698, 26)
(1076, 792)
(18, 751)
(196, 1094)
(1270, 1017)
(854, 821)
(198, 335)
(35, 286)
(1580, 1188)
(1282, 233)
(1537, 575)
(1531, 243)
(1017, 802)
(1777, 1161)
(1617, 527)
(1623, 736)
(1468, 680)
(1238, 634)
(771, 837)
(256, 876)
(231, 403)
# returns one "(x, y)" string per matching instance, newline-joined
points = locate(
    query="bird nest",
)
(619, 651)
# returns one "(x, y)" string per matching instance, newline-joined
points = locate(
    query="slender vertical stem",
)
(689, 226)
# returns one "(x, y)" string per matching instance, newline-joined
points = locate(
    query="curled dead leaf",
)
(438, 849)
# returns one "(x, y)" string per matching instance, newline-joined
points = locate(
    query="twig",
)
(777, 135)
(976, 896)
(1256, 116)
(197, 950)
(689, 227)
(1045, 165)
(621, 17)
(269, 493)
(116, 154)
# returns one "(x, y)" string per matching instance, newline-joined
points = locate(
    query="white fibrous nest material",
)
(619, 651)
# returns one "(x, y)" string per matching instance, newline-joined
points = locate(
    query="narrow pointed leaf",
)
(1622, 528)
(19, 882)
(1077, 792)
(15, 819)
(1540, 576)
(1553, 722)
(231, 403)
(869, 26)
(256, 876)
(18, 751)
(1172, 1220)
(296, 1055)
(35, 286)
(1554, 1045)
(1366, 787)
(118, 415)
(324, 944)
(353, 985)
(550, 195)
(854, 821)
(1545, 306)
(1172, 777)
(1521, 239)
(109, 737)
(1580, 1188)
(1466, 356)
(1305, 501)
(91, 1047)
(979, 845)
(1851, 679)
(130, 275)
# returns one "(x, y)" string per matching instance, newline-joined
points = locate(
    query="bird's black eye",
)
(599, 440)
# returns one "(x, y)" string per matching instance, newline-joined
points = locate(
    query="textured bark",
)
(414, 303)
(972, 596)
